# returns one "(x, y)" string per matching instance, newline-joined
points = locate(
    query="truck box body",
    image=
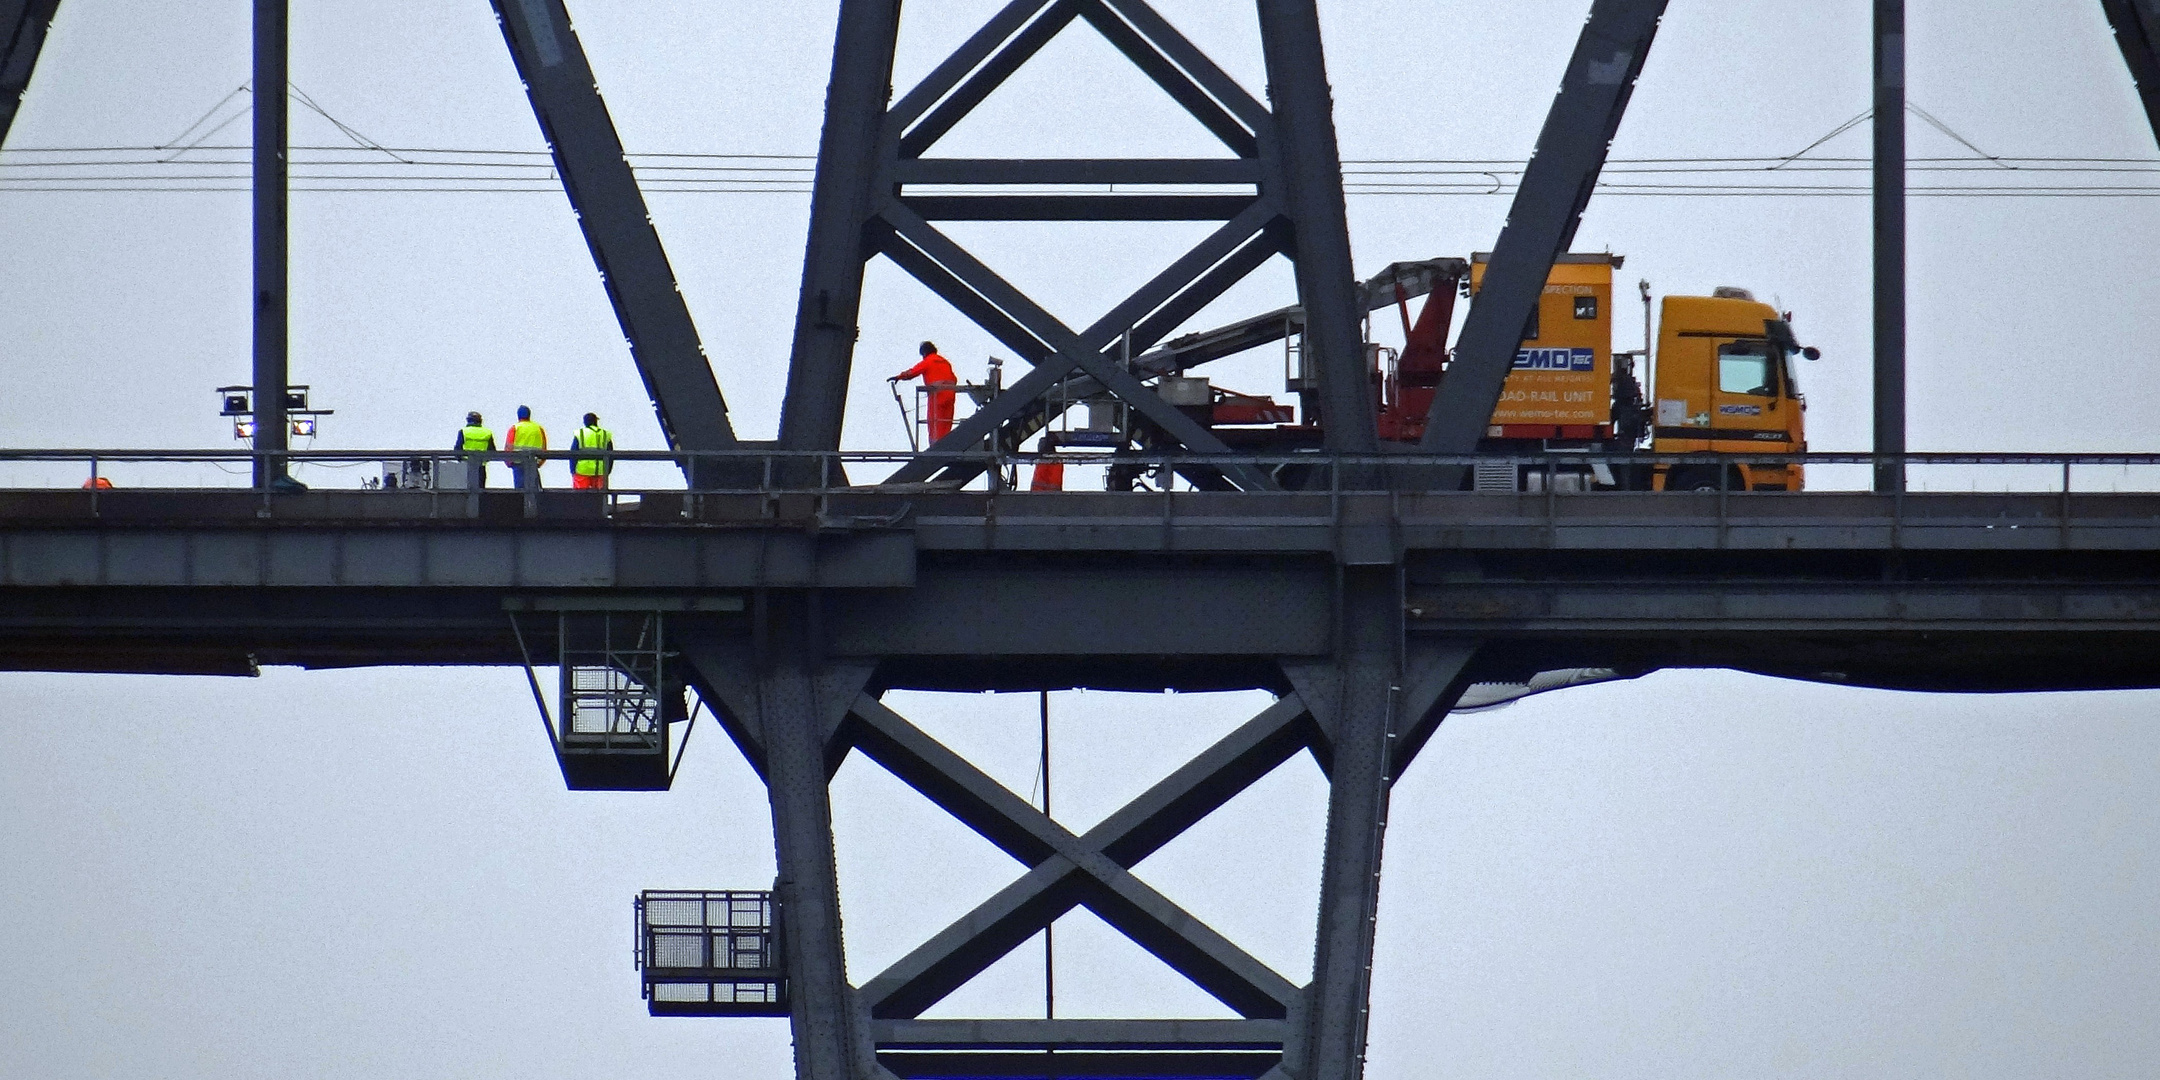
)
(1560, 386)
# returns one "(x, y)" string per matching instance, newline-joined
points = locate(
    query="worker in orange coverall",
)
(937, 374)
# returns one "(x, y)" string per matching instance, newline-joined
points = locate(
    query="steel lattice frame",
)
(872, 154)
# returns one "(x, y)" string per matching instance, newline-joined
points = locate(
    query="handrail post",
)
(529, 481)
(2063, 516)
(1897, 503)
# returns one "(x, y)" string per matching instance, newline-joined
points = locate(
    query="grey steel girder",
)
(618, 229)
(863, 206)
(2137, 33)
(23, 25)
(1541, 223)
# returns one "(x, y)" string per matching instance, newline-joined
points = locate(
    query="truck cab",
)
(1724, 384)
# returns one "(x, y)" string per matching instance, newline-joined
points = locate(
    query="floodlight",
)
(296, 399)
(243, 429)
(304, 427)
(236, 405)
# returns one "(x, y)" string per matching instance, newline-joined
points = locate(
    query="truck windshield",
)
(1744, 368)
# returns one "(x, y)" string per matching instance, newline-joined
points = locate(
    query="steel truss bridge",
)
(1368, 595)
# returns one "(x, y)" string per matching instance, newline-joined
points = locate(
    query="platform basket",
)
(711, 954)
(619, 691)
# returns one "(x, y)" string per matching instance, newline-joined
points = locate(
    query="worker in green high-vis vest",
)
(591, 472)
(475, 438)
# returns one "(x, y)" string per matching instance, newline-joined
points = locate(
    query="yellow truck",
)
(1720, 381)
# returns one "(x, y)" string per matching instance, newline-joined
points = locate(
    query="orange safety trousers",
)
(1049, 476)
(937, 412)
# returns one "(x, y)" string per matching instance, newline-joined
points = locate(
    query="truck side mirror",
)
(1811, 353)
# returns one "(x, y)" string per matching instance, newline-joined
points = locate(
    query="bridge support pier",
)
(792, 707)
(1359, 707)
(1364, 703)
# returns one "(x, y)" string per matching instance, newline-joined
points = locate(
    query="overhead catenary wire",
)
(187, 163)
(368, 166)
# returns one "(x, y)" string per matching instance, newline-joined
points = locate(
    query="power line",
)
(370, 167)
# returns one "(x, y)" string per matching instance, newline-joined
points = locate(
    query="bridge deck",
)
(1193, 589)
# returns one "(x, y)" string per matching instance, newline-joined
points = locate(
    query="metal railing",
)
(776, 471)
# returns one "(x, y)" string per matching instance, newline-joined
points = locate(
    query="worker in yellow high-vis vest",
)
(591, 472)
(475, 438)
(526, 435)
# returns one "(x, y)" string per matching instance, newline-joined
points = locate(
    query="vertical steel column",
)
(1890, 244)
(1356, 703)
(1313, 198)
(840, 203)
(271, 341)
(822, 1009)
(779, 691)
(23, 24)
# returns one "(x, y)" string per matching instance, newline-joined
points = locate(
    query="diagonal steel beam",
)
(1090, 870)
(970, 303)
(1313, 196)
(1203, 785)
(1187, 303)
(1019, 50)
(612, 214)
(2137, 34)
(1191, 947)
(1174, 45)
(1189, 267)
(1548, 206)
(965, 949)
(23, 25)
(1174, 82)
(957, 787)
(964, 59)
(1206, 289)
(849, 155)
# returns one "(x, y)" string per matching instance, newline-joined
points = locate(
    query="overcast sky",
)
(1697, 874)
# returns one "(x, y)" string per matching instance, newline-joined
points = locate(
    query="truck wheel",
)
(1692, 480)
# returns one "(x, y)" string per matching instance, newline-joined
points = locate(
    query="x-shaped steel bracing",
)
(1091, 870)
